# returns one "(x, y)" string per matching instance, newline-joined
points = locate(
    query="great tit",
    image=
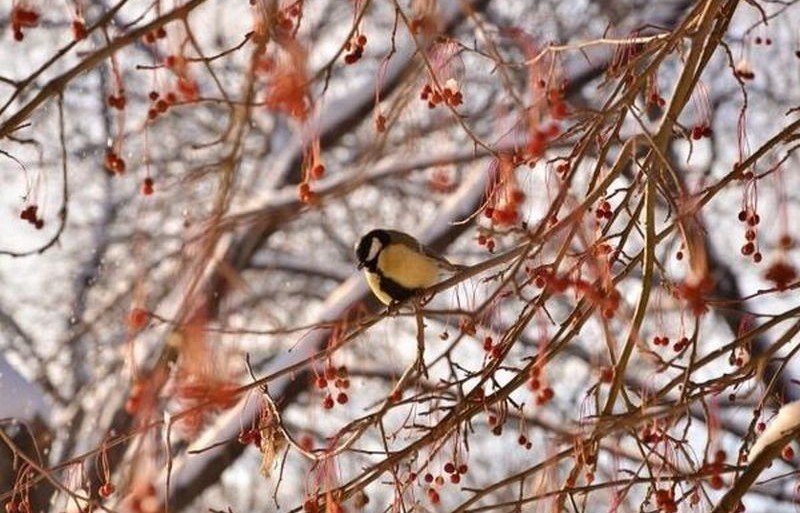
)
(397, 266)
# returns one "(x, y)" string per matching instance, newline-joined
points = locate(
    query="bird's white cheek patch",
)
(374, 249)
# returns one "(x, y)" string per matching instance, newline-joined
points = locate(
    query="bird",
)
(397, 266)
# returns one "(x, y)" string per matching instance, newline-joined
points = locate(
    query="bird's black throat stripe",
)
(394, 289)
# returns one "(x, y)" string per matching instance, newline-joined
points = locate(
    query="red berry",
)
(318, 171)
(137, 318)
(78, 30)
(147, 186)
(105, 490)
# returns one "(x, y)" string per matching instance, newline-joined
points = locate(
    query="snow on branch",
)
(788, 419)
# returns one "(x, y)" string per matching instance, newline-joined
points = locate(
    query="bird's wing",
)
(411, 242)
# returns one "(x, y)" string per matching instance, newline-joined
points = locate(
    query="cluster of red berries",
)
(781, 273)
(543, 277)
(380, 123)
(508, 213)
(660, 341)
(751, 220)
(558, 107)
(305, 193)
(679, 346)
(136, 398)
(539, 139)
(160, 105)
(545, 394)
(483, 240)
(250, 436)
(450, 94)
(454, 471)
(150, 37)
(114, 163)
(21, 506)
(341, 382)
(467, 325)
(656, 100)
(284, 18)
(524, 442)
(187, 87)
(494, 351)
(665, 501)
(607, 300)
(355, 49)
(767, 41)
(700, 131)
(23, 17)
(29, 214)
(694, 292)
(652, 434)
(421, 24)
(603, 211)
(497, 424)
(117, 101)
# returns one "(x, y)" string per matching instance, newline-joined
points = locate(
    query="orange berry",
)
(137, 318)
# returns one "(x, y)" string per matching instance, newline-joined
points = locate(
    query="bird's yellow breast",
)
(407, 267)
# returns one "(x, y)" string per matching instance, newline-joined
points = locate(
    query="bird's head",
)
(369, 247)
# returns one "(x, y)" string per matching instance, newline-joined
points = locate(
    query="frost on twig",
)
(788, 418)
